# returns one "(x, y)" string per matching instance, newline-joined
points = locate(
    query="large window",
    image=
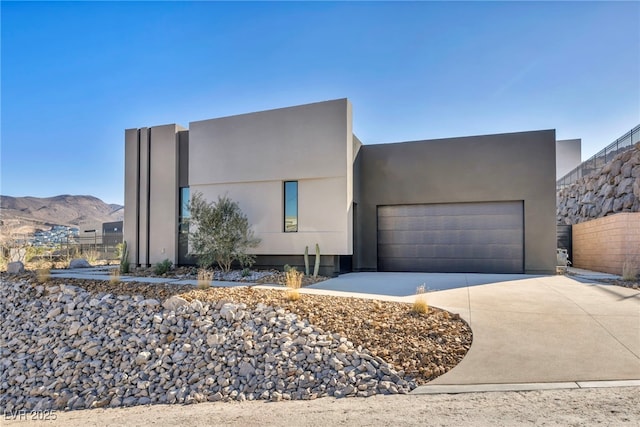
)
(290, 206)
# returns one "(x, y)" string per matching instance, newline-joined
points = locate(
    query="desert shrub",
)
(220, 233)
(120, 248)
(91, 256)
(246, 272)
(162, 267)
(420, 304)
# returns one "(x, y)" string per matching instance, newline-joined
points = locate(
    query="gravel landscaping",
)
(74, 344)
(250, 276)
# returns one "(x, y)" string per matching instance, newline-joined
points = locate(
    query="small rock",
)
(150, 303)
(174, 302)
(74, 328)
(246, 369)
(54, 312)
(142, 357)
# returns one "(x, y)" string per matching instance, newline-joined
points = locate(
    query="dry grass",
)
(420, 304)
(114, 276)
(92, 257)
(293, 282)
(43, 275)
(204, 278)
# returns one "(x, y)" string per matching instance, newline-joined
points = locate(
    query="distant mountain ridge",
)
(22, 214)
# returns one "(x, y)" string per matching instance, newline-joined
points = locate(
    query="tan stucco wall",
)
(247, 157)
(605, 244)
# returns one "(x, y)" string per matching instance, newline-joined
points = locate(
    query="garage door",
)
(483, 237)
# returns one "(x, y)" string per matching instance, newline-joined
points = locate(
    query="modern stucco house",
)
(470, 204)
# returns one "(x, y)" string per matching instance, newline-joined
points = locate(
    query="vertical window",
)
(290, 206)
(184, 213)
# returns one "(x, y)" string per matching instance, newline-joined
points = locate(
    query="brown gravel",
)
(425, 346)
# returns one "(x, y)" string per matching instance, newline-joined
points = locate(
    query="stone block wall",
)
(615, 188)
(605, 244)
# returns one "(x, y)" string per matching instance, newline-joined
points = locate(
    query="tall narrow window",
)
(184, 213)
(290, 206)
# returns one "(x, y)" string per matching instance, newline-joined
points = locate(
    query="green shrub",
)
(221, 233)
(246, 272)
(162, 267)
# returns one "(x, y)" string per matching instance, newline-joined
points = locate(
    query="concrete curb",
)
(482, 388)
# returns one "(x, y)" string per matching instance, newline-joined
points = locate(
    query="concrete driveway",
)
(526, 329)
(405, 284)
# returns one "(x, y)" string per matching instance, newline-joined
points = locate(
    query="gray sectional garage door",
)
(483, 237)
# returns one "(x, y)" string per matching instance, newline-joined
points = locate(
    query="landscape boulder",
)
(172, 303)
(79, 263)
(15, 267)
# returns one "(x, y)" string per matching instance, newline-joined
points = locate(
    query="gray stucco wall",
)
(131, 193)
(163, 194)
(568, 156)
(248, 157)
(504, 167)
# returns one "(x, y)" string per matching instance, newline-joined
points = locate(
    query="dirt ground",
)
(577, 407)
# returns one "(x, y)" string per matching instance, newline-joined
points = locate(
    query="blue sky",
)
(76, 74)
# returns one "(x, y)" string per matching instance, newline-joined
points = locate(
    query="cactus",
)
(316, 267)
(124, 259)
(306, 260)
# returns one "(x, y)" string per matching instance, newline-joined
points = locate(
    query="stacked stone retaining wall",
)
(614, 189)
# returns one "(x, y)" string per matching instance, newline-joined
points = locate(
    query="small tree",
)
(220, 234)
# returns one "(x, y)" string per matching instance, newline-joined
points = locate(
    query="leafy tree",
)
(220, 233)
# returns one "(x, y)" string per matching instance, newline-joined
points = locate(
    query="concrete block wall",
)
(605, 244)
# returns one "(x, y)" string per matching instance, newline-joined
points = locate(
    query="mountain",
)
(26, 214)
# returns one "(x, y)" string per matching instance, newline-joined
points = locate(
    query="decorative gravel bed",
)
(81, 343)
(252, 276)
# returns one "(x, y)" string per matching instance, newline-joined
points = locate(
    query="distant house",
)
(99, 233)
(466, 204)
